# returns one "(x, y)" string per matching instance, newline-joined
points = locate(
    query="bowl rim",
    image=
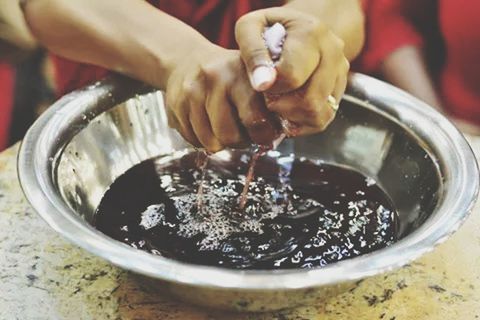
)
(35, 171)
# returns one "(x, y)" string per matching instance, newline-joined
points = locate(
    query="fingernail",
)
(262, 77)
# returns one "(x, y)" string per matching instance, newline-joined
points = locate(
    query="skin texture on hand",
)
(312, 66)
(213, 105)
(209, 96)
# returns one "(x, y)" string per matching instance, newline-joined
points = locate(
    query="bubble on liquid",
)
(370, 181)
(152, 216)
(221, 217)
(219, 222)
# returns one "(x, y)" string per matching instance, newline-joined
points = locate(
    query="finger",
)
(255, 55)
(342, 81)
(301, 49)
(177, 113)
(200, 123)
(224, 119)
(253, 114)
(186, 131)
(291, 107)
(307, 106)
(296, 65)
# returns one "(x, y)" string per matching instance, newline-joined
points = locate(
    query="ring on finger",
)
(332, 102)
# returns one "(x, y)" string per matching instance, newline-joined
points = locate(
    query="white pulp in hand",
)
(274, 37)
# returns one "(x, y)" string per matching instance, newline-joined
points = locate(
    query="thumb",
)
(254, 53)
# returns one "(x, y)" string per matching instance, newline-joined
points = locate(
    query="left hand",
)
(311, 68)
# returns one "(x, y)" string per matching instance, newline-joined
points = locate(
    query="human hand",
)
(211, 103)
(311, 70)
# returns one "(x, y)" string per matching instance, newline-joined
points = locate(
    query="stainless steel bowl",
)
(72, 154)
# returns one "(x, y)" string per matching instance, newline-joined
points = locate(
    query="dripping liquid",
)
(202, 163)
(249, 178)
(297, 213)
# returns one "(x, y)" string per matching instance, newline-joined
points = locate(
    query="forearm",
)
(344, 17)
(127, 36)
(406, 68)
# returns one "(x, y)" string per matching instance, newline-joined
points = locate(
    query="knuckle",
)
(334, 49)
(313, 26)
(244, 20)
(187, 88)
(211, 72)
(317, 113)
(333, 46)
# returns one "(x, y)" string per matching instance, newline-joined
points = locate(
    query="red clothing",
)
(396, 23)
(387, 30)
(6, 101)
(215, 19)
(460, 79)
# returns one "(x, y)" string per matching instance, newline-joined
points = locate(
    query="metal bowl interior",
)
(87, 139)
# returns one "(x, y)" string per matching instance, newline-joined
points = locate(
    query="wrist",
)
(155, 61)
(154, 46)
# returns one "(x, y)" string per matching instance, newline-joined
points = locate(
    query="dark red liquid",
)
(298, 213)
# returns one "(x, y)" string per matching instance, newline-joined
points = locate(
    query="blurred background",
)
(427, 47)
(24, 75)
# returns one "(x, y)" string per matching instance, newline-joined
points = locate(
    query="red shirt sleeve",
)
(388, 28)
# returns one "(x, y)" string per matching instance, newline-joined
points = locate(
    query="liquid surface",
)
(298, 213)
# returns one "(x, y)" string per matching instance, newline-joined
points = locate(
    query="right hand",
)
(312, 66)
(212, 104)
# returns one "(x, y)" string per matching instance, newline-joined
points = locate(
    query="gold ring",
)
(332, 102)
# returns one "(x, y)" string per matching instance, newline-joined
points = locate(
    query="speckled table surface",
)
(44, 277)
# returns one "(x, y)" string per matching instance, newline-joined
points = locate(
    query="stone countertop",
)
(44, 277)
